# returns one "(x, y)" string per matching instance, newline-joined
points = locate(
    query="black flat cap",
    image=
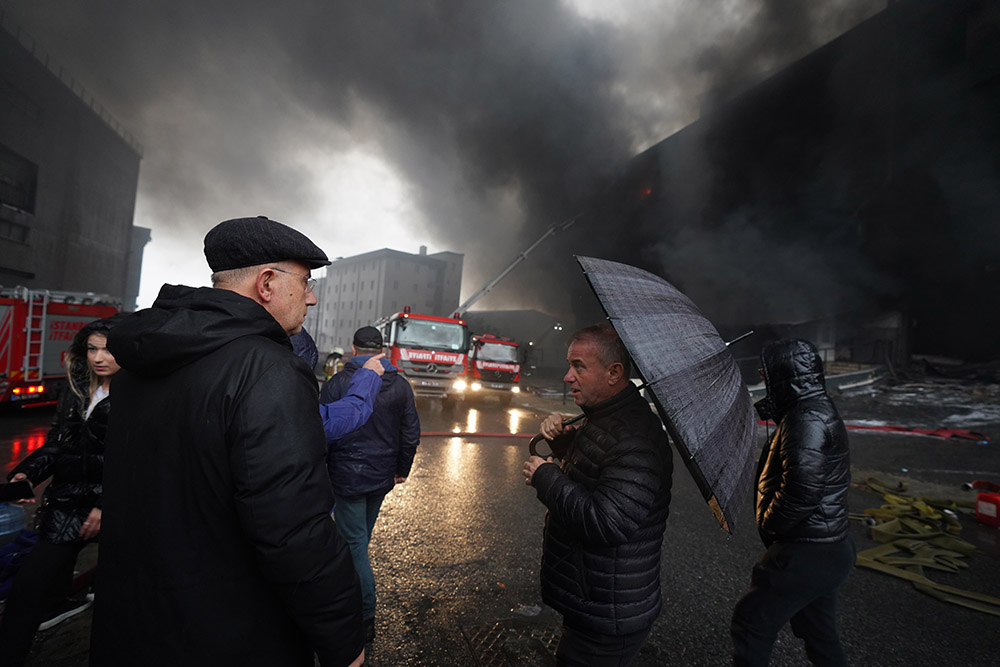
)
(367, 338)
(241, 242)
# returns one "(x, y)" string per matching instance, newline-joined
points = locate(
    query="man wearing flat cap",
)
(217, 545)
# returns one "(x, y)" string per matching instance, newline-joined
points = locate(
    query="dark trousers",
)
(581, 648)
(40, 585)
(797, 583)
(355, 517)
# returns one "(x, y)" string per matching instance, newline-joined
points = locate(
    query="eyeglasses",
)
(310, 282)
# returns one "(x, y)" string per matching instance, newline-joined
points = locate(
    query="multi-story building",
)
(359, 290)
(68, 179)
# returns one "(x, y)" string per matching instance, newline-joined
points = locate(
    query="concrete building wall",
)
(68, 180)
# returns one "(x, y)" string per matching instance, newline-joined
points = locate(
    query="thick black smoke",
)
(504, 117)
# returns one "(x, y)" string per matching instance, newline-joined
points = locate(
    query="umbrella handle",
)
(532, 446)
(541, 438)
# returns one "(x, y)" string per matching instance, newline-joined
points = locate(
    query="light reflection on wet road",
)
(456, 552)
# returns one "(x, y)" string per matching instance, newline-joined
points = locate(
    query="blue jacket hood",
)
(357, 362)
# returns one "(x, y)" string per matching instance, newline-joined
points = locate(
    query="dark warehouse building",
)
(857, 189)
(68, 179)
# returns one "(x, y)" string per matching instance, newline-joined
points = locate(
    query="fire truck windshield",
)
(436, 335)
(497, 352)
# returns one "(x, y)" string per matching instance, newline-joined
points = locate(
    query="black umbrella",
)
(695, 382)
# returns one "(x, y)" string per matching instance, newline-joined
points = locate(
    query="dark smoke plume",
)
(503, 117)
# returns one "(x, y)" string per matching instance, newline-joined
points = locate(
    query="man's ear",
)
(264, 285)
(615, 372)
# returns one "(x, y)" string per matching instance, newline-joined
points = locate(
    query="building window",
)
(395, 285)
(18, 181)
(13, 231)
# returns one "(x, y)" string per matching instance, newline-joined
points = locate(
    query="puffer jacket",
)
(217, 545)
(73, 453)
(804, 470)
(607, 511)
(367, 460)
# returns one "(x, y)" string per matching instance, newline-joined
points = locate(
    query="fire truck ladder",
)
(34, 334)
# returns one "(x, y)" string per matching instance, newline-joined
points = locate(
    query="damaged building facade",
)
(851, 198)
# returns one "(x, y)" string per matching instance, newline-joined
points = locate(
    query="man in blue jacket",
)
(366, 464)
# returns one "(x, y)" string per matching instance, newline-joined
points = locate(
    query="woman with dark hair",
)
(69, 517)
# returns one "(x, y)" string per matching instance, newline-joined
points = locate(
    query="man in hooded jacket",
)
(217, 545)
(802, 517)
(366, 464)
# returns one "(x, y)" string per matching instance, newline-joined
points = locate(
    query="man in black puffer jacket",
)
(608, 505)
(802, 482)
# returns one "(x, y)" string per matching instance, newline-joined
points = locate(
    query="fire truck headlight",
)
(476, 386)
(515, 390)
(460, 385)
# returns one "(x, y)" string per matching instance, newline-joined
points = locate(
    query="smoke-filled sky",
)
(463, 126)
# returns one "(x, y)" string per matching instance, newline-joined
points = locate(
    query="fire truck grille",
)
(430, 369)
(498, 376)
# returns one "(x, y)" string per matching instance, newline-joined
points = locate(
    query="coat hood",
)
(792, 371)
(357, 362)
(185, 324)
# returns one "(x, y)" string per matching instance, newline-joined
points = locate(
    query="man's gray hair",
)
(236, 276)
(610, 347)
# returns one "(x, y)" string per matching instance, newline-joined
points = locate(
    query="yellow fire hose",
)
(925, 529)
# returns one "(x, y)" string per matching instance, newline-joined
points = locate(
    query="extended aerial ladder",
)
(550, 231)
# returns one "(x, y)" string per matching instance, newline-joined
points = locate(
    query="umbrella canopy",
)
(695, 382)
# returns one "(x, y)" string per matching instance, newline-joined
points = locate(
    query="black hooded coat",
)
(804, 470)
(217, 546)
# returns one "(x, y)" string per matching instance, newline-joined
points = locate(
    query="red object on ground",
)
(962, 433)
(988, 509)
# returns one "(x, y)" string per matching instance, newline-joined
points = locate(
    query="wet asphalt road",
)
(456, 549)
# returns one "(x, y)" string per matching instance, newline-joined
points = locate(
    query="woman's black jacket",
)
(73, 456)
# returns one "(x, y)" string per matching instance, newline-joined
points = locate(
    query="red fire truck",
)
(429, 351)
(494, 367)
(36, 329)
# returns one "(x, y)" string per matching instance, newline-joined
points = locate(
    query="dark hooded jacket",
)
(217, 546)
(73, 453)
(608, 506)
(367, 460)
(804, 470)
